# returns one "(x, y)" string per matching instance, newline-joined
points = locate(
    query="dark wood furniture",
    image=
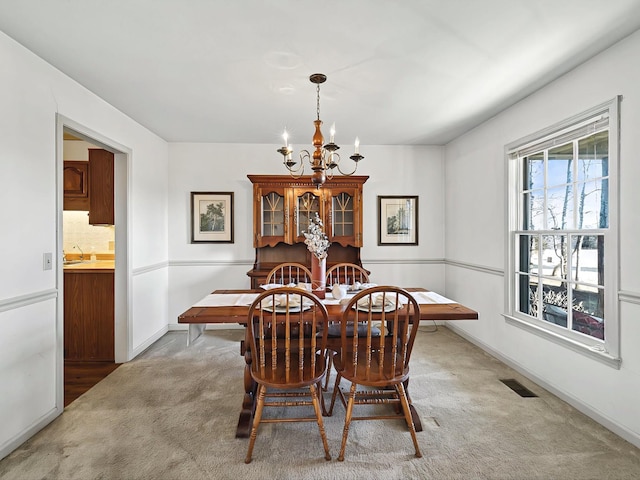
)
(101, 187)
(282, 208)
(76, 185)
(89, 315)
(197, 317)
(89, 186)
(377, 361)
(289, 272)
(346, 274)
(290, 361)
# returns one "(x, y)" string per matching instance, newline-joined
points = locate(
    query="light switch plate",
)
(47, 261)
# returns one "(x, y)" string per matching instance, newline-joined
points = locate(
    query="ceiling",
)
(400, 72)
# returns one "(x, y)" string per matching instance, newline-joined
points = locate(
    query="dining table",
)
(232, 307)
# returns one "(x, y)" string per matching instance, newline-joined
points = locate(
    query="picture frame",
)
(211, 217)
(397, 220)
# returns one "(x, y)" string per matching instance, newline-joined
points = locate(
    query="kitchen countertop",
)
(88, 266)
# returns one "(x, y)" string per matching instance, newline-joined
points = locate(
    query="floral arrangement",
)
(316, 240)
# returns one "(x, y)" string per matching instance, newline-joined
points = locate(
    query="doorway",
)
(101, 250)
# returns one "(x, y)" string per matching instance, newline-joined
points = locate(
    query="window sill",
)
(593, 352)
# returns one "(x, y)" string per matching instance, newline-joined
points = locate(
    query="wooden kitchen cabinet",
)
(101, 187)
(89, 315)
(282, 209)
(76, 185)
(89, 186)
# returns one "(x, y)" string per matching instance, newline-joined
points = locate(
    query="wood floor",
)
(81, 376)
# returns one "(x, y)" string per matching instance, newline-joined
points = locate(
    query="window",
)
(563, 259)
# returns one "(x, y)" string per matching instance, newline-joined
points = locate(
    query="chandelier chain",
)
(318, 100)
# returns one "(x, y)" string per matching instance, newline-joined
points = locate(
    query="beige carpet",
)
(172, 413)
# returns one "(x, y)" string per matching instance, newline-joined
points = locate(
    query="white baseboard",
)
(149, 341)
(10, 445)
(603, 420)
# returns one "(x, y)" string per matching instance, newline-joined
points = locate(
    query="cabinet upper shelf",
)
(283, 207)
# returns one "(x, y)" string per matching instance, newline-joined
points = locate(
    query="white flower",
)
(316, 240)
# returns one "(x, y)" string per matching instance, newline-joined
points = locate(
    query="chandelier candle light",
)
(318, 244)
(325, 158)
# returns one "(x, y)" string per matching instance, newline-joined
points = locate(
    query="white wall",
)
(31, 94)
(475, 239)
(197, 269)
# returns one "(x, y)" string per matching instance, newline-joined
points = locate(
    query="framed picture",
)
(397, 220)
(211, 217)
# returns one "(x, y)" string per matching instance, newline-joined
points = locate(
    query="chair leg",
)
(347, 421)
(256, 422)
(336, 389)
(407, 415)
(316, 406)
(329, 366)
(323, 406)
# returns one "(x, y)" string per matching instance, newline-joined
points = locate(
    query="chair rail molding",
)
(403, 261)
(630, 297)
(473, 266)
(28, 299)
(150, 268)
(209, 263)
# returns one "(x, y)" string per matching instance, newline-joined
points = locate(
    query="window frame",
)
(578, 126)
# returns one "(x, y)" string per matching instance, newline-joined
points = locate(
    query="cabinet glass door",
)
(273, 215)
(342, 218)
(307, 206)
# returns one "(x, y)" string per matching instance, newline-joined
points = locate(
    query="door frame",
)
(123, 337)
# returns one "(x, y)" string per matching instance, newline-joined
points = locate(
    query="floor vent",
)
(517, 387)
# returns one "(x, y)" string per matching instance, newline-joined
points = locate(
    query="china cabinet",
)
(282, 209)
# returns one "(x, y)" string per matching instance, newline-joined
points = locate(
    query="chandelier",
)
(325, 159)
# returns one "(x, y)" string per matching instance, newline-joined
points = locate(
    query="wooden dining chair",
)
(289, 272)
(380, 363)
(346, 274)
(288, 347)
